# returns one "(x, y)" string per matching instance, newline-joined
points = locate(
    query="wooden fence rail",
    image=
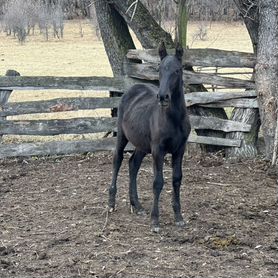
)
(103, 124)
(84, 146)
(96, 83)
(205, 57)
(218, 99)
(149, 72)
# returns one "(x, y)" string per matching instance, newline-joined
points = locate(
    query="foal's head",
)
(170, 74)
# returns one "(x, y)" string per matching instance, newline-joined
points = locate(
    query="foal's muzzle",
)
(164, 100)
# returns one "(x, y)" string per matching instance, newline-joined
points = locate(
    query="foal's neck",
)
(177, 101)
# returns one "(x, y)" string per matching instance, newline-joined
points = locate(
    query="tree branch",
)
(147, 30)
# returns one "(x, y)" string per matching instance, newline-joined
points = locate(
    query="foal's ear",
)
(162, 51)
(179, 51)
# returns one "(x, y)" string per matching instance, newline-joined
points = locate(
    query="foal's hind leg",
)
(177, 177)
(134, 165)
(117, 161)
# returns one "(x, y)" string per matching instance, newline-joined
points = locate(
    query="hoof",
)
(155, 229)
(180, 224)
(139, 211)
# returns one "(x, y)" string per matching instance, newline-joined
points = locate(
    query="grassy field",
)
(85, 56)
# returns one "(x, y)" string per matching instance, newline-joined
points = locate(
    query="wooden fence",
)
(147, 71)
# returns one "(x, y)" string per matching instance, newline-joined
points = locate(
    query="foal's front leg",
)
(177, 177)
(158, 160)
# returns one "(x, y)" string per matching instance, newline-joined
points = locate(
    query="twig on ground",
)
(219, 183)
(135, 3)
(106, 220)
(117, 273)
(275, 147)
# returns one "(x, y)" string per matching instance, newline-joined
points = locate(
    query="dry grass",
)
(73, 55)
(85, 56)
(226, 36)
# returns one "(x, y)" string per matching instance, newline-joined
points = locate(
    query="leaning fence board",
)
(102, 124)
(206, 57)
(83, 146)
(150, 72)
(58, 105)
(214, 123)
(214, 141)
(97, 83)
(190, 77)
(239, 103)
(206, 97)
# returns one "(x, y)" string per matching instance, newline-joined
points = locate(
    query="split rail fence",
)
(145, 71)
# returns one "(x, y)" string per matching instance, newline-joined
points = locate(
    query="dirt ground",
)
(54, 222)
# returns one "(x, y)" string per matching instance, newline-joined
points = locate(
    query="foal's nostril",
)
(164, 98)
(161, 98)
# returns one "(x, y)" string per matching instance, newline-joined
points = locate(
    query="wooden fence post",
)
(5, 94)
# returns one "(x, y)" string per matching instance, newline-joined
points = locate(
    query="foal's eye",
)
(177, 71)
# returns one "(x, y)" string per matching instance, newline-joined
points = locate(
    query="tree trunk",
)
(116, 38)
(248, 147)
(147, 30)
(267, 71)
(115, 35)
(182, 19)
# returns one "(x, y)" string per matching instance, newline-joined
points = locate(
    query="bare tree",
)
(116, 37)
(56, 18)
(267, 72)
(16, 19)
(21, 16)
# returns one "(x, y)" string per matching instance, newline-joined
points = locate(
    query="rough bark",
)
(267, 70)
(115, 35)
(147, 30)
(249, 139)
(116, 38)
